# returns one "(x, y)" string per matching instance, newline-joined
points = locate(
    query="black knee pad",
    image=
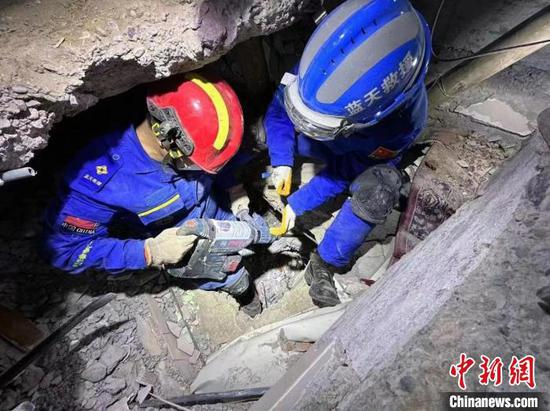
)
(375, 192)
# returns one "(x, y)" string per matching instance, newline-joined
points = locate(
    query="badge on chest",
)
(383, 153)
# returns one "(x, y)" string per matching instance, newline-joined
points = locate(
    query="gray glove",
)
(167, 247)
(239, 199)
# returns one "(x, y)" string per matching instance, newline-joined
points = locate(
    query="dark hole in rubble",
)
(98, 375)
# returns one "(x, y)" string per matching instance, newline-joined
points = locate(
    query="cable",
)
(479, 54)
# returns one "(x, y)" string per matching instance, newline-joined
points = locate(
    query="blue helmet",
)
(366, 58)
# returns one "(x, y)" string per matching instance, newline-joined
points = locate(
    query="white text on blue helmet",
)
(390, 82)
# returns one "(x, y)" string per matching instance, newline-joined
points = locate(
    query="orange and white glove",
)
(281, 178)
(239, 200)
(287, 222)
(167, 247)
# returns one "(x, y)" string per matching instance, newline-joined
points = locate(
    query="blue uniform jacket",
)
(345, 158)
(113, 181)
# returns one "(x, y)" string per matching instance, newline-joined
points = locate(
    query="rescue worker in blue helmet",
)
(150, 179)
(356, 102)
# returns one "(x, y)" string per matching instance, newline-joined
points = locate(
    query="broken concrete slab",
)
(499, 114)
(543, 122)
(25, 406)
(469, 287)
(372, 264)
(185, 343)
(147, 337)
(220, 319)
(174, 328)
(18, 330)
(161, 326)
(114, 385)
(260, 357)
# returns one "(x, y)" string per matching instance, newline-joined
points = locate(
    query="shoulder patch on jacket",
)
(95, 174)
(383, 153)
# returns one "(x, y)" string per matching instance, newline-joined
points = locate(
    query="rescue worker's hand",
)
(287, 222)
(289, 217)
(167, 247)
(239, 200)
(281, 177)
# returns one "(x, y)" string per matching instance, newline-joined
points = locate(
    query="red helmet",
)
(199, 118)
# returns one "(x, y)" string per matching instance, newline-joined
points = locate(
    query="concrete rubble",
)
(59, 59)
(261, 357)
(496, 113)
(470, 287)
(476, 284)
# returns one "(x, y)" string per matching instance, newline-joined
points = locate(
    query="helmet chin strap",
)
(174, 156)
(177, 162)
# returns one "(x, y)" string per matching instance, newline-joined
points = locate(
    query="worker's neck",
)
(149, 142)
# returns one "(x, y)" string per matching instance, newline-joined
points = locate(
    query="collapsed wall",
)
(470, 287)
(59, 58)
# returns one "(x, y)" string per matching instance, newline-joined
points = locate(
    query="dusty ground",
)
(99, 363)
(102, 359)
(152, 332)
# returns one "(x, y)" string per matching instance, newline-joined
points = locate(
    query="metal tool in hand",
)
(220, 247)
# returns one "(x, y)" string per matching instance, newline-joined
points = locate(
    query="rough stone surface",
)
(469, 287)
(60, 58)
(496, 113)
(148, 339)
(95, 372)
(467, 26)
(112, 356)
(32, 377)
(114, 385)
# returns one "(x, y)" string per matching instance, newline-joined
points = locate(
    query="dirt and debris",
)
(101, 360)
(156, 337)
(60, 58)
(157, 332)
(453, 172)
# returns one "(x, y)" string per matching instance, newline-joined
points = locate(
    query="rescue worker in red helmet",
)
(152, 178)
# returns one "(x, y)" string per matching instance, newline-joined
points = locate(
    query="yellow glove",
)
(281, 177)
(287, 222)
(239, 199)
(167, 247)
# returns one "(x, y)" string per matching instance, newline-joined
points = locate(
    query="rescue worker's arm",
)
(279, 130)
(76, 239)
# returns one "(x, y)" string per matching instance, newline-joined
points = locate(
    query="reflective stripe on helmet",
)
(385, 41)
(323, 33)
(219, 105)
(365, 60)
